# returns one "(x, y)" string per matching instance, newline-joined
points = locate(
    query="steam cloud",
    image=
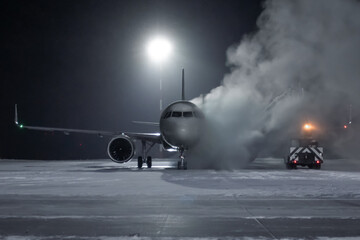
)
(303, 64)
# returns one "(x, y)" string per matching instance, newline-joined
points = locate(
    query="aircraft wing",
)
(155, 124)
(151, 137)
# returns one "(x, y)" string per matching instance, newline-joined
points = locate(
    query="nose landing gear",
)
(182, 164)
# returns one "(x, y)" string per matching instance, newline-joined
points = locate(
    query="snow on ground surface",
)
(104, 178)
(99, 199)
(165, 238)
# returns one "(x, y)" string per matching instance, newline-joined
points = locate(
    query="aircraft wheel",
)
(140, 162)
(182, 166)
(149, 162)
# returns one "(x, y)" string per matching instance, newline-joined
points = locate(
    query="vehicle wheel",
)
(185, 165)
(318, 166)
(140, 162)
(179, 165)
(288, 166)
(149, 162)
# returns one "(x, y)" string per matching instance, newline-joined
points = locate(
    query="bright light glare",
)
(159, 49)
(308, 127)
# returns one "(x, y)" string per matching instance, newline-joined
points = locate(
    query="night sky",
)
(83, 64)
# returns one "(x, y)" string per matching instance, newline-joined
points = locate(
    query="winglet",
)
(183, 85)
(16, 116)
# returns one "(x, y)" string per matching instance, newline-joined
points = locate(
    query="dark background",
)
(83, 64)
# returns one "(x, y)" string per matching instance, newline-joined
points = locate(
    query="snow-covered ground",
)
(99, 199)
(104, 178)
(167, 238)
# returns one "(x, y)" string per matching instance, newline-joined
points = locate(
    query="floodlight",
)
(159, 49)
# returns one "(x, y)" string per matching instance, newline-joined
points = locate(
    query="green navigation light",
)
(21, 126)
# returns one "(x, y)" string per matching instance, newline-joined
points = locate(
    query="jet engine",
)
(121, 149)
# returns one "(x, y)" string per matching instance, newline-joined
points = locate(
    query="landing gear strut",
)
(146, 147)
(182, 164)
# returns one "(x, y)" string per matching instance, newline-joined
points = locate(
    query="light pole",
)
(159, 49)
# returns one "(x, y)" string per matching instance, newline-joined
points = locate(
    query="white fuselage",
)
(181, 124)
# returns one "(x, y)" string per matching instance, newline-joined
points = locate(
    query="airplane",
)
(181, 126)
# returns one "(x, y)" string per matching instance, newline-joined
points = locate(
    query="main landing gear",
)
(144, 158)
(182, 164)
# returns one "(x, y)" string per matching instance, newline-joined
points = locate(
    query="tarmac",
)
(99, 199)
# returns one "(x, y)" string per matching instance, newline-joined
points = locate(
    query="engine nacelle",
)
(121, 149)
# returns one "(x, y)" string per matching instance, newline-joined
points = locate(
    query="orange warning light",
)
(308, 126)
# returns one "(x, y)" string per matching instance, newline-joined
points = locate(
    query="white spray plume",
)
(303, 64)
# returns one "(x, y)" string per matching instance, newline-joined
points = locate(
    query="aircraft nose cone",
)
(182, 136)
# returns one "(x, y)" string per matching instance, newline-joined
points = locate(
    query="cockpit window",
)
(176, 114)
(167, 115)
(187, 114)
